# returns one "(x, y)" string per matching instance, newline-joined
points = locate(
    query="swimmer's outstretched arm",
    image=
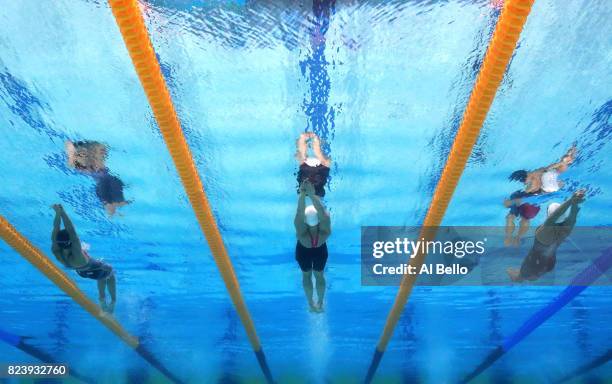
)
(316, 148)
(566, 159)
(301, 147)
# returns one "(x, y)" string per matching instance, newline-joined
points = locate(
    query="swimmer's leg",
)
(308, 289)
(111, 208)
(320, 282)
(102, 290)
(112, 287)
(509, 229)
(112, 290)
(102, 294)
(523, 228)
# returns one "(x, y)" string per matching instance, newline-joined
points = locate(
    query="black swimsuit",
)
(540, 260)
(313, 258)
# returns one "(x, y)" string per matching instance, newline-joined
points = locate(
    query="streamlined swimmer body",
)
(549, 236)
(312, 229)
(313, 168)
(66, 247)
(89, 158)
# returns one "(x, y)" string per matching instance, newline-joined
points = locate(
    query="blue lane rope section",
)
(601, 360)
(577, 285)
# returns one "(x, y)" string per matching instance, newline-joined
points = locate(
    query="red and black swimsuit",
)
(313, 258)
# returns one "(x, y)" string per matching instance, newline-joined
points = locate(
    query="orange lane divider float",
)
(500, 50)
(37, 258)
(134, 32)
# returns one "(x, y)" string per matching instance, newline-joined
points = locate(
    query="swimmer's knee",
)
(306, 274)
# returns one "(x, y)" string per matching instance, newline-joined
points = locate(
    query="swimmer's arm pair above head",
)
(316, 148)
(549, 229)
(302, 148)
(74, 237)
(576, 199)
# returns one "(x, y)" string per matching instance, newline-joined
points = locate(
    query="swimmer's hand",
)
(308, 188)
(570, 156)
(578, 196)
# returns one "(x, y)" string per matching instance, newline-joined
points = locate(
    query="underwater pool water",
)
(385, 85)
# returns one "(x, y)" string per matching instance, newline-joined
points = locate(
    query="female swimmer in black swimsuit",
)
(548, 237)
(312, 229)
(66, 247)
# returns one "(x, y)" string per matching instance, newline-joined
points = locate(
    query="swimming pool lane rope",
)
(581, 282)
(138, 43)
(37, 258)
(498, 55)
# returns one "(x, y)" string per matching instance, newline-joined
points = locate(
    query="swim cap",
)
(311, 218)
(552, 207)
(312, 161)
(550, 182)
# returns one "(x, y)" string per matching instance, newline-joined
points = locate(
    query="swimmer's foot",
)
(111, 307)
(514, 275)
(320, 308)
(516, 242)
(111, 209)
(312, 307)
(106, 308)
(508, 241)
